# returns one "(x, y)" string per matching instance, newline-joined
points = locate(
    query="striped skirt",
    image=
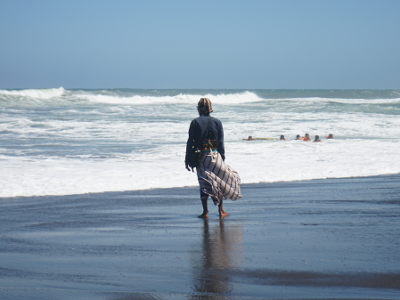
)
(217, 179)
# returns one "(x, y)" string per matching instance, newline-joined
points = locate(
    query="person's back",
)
(214, 136)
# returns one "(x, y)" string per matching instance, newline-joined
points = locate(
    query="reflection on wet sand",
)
(220, 249)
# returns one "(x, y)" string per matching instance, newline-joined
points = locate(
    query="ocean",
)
(74, 141)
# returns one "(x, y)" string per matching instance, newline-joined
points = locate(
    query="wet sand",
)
(320, 239)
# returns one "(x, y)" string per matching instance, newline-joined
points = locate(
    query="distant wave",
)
(111, 97)
(221, 99)
(35, 93)
(237, 98)
(339, 100)
(138, 97)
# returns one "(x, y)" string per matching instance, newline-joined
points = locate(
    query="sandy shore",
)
(333, 238)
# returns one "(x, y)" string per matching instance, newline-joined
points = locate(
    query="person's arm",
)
(190, 143)
(221, 145)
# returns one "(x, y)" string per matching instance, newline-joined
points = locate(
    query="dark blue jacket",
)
(215, 131)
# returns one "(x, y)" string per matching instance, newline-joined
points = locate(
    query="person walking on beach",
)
(216, 179)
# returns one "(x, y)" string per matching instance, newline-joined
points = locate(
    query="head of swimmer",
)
(204, 106)
(282, 137)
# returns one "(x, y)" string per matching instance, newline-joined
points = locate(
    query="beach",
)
(100, 101)
(319, 239)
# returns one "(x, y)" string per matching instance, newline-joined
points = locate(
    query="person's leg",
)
(204, 198)
(221, 211)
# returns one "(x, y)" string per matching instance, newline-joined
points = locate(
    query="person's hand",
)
(189, 168)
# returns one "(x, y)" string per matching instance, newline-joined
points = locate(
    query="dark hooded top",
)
(215, 131)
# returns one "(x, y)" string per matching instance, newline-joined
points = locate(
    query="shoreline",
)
(320, 239)
(196, 186)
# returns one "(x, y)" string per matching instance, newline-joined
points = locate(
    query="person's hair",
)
(317, 137)
(204, 106)
(307, 135)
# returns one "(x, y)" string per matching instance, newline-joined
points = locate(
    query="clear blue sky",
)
(200, 44)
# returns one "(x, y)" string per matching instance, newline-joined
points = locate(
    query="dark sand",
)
(333, 238)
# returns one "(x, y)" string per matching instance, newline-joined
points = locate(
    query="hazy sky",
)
(200, 44)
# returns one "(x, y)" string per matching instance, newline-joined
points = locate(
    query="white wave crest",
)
(35, 93)
(343, 101)
(237, 98)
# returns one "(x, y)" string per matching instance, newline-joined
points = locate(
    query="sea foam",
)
(35, 93)
(87, 141)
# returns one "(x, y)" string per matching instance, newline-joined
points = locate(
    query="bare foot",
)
(223, 214)
(204, 215)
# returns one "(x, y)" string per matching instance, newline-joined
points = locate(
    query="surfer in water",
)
(282, 138)
(329, 137)
(216, 179)
(306, 138)
(298, 137)
(316, 139)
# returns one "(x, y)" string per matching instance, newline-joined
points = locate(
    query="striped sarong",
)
(217, 179)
